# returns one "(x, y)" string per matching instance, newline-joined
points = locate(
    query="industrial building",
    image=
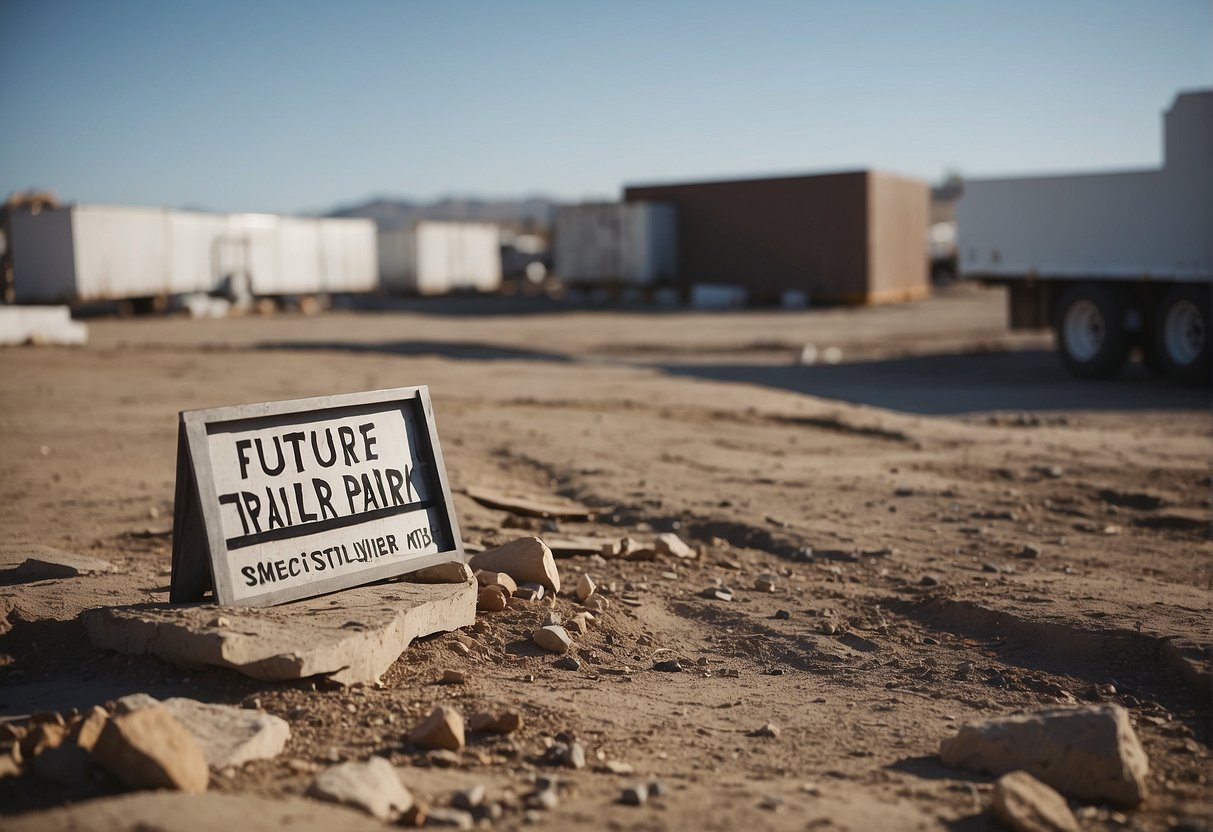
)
(855, 237)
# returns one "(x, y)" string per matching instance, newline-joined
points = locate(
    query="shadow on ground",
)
(938, 385)
(456, 350)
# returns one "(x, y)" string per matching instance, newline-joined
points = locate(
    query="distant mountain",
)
(530, 213)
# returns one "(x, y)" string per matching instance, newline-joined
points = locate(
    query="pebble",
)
(553, 638)
(149, 748)
(668, 666)
(578, 624)
(551, 619)
(545, 799)
(782, 615)
(718, 593)
(492, 599)
(530, 592)
(770, 729)
(459, 647)
(443, 728)
(486, 578)
(450, 819)
(929, 580)
(1024, 804)
(372, 786)
(1030, 551)
(585, 588)
(567, 663)
(765, 583)
(634, 795)
(495, 722)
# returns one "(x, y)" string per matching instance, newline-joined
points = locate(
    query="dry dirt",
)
(943, 450)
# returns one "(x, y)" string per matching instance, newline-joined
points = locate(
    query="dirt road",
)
(935, 451)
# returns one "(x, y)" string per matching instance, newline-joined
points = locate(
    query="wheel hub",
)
(1084, 330)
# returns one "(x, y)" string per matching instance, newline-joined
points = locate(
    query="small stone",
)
(526, 560)
(597, 604)
(718, 593)
(449, 819)
(672, 545)
(459, 648)
(529, 592)
(372, 786)
(567, 663)
(491, 599)
(469, 798)
(1089, 753)
(634, 795)
(782, 615)
(585, 588)
(772, 803)
(618, 767)
(41, 737)
(770, 729)
(986, 566)
(148, 748)
(668, 666)
(656, 788)
(443, 758)
(453, 677)
(578, 624)
(1024, 804)
(452, 572)
(554, 639)
(545, 799)
(495, 722)
(1030, 551)
(220, 622)
(85, 732)
(443, 728)
(575, 756)
(765, 583)
(929, 580)
(502, 581)
(551, 619)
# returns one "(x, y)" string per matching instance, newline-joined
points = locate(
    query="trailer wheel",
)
(1090, 327)
(1181, 332)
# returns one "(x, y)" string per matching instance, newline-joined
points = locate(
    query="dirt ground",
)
(940, 447)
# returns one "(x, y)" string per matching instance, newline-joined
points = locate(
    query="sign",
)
(285, 500)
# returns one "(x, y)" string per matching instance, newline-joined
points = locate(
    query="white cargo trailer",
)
(82, 253)
(632, 243)
(1110, 260)
(434, 257)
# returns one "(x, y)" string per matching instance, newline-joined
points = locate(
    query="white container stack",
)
(634, 243)
(435, 257)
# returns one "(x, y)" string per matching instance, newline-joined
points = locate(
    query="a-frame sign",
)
(285, 500)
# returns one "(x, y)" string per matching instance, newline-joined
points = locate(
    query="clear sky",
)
(299, 105)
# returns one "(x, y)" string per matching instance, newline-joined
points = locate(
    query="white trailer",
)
(432, 258)
(1112, 260)
(82, 253)
(632, 243)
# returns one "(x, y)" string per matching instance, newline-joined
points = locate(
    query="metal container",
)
(634, 243)
(433, 258)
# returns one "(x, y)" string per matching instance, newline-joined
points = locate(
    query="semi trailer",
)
(1110, 261)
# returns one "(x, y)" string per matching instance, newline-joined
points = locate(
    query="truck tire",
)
(1181, 332)
(1089, 323)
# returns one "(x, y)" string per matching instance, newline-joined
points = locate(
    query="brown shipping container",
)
(856, 237)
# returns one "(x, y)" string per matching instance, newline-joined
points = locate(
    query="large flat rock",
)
(169, 812)
(351, 636)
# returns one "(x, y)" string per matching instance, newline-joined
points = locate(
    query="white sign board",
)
(285, 500)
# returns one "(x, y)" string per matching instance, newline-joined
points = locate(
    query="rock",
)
(782, 615)
(580, 622)
(551, 619)
(567, 663)
(529, 592)
(68, 764)
(765, 583)
(770, 729)
(668, 666)
(459, 648)
(41, 737)
(443, 728)
(293, 641)
(597, 604)
(545, 799)
(502, 581)
(634, 795)
(672, 545)
(554, 639)
(492, 599)
(717, 593)
(1089, 753)
(469, 798)
(44, 563)
(618, 767)
(495, 722)
(133, 702)
(585, 588)
(230, 736)
(450, 819)
(149, 749)
(451, 572)
(85, 732)
(10, 762)
(1030, 551)
(929, 580)
(1024, 804)
(373, 786)
(526, 560)
(210, 812)
(453, 677)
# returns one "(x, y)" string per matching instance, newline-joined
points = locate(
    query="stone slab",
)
(352, 636)
(174, 812)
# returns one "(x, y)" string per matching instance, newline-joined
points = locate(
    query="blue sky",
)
(299, 106)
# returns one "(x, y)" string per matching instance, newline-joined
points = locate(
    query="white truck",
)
(1110, 261)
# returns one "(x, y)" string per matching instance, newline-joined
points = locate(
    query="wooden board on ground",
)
(530, 506)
